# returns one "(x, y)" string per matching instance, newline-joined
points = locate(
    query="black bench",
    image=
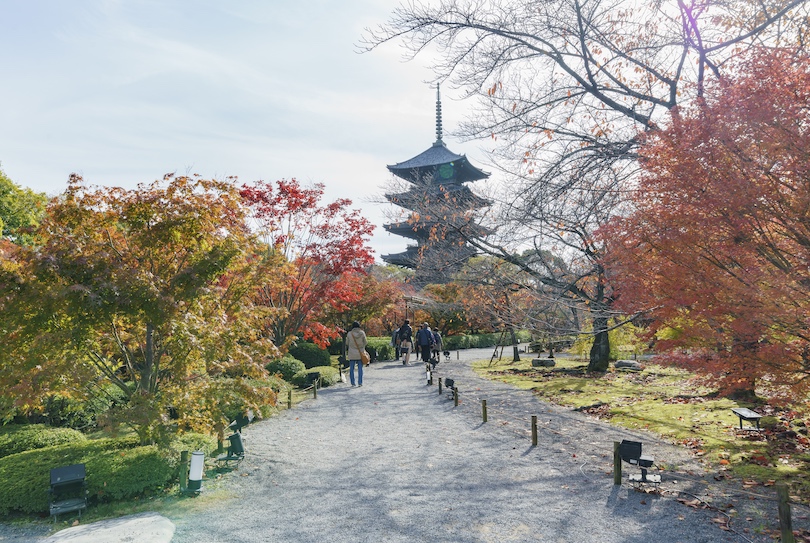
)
(68, 490)
(630, 452)
(235, 453)
(747, 415)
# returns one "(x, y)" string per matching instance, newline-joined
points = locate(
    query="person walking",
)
(356, 341)
(424, 337)
(437, 346)
(405, 341)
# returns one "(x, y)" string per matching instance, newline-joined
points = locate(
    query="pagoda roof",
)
(407, 259)
(423, 165)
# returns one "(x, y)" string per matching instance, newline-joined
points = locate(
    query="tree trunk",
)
(515, 353)
(600, 351)
(148, 359)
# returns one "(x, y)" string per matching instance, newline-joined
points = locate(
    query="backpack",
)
(405, 333)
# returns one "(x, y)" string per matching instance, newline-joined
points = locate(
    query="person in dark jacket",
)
(424, 337)
(405, 341)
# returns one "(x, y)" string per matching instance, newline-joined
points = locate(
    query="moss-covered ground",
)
(680, 407)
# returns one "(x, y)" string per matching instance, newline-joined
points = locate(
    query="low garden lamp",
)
(195, 472)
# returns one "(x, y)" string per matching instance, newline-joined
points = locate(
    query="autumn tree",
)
(21, 210)
(324, 246)
(563, 89)
(377, 295)
(512, 300)
(717, 249)
(148, 289)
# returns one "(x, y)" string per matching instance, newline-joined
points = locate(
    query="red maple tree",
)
(323, 245)
(717, 251)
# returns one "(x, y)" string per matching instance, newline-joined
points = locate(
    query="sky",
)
(123, 92)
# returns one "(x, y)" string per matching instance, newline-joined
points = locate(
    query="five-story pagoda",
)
(442, 210)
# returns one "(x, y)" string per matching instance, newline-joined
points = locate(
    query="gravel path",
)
(395, 461)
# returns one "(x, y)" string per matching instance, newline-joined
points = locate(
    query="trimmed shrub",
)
(116, 470)
(20, 438)
(456, 342)
(380, 348)
(329, 376)
(336, 346)
(287, 367)
(311, 355)
(61, 411)
(191, 441)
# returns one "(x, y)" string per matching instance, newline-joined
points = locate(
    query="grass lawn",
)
(680, 407)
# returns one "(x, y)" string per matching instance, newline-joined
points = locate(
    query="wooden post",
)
(455, 396)
(440, 385)
(183, 467)
(785, 522)
(289, 399)
(315, 390)
(220, 439)
(484, 409)
(534, 430)
(617, 464)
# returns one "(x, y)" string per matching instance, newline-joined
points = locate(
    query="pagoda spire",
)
(438, 118)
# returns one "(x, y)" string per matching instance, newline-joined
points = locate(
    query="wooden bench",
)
(68, 491)
(747, 415)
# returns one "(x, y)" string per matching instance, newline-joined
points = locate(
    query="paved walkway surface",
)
(395, 461)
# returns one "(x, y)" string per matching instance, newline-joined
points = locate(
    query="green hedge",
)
(115, 470)
(19, 438)
(287, 367)
(329, 376)
(381, 346)
(311, 355)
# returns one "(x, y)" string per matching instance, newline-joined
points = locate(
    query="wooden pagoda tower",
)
(442, 210)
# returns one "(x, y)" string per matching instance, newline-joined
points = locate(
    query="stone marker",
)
(628, 365)
(543, 362)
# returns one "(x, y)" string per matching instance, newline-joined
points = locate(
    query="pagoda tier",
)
(432, 260)
(438, 164)
(422, 230)
(408, 259)
(425, 196)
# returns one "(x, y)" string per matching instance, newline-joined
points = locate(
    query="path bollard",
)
(617, 464)
(315, 390)
(183, 467)
(534, 430)
(455, 396)
(440, 385)
(785, 522)
(484, 409)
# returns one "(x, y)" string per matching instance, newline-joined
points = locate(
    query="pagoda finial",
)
(438, 117)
